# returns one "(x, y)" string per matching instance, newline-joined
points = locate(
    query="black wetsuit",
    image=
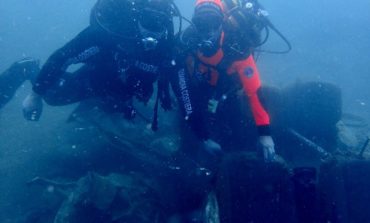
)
(111, 67)
(13, 77)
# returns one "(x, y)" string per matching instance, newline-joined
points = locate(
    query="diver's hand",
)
(268, 148)
(212, 106)
(32, 107)
(212, 147)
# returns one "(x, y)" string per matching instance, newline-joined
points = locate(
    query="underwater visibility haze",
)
(317, 95)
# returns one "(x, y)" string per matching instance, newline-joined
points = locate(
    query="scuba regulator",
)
(250, 16)
(155, 22)
(210, 44)
(247, 16)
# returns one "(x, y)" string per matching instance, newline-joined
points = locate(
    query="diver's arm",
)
(58, 62)
(192, 111)
(189, 106)
(13, 77)
(78, 50)
(249, 76)
(250, 79)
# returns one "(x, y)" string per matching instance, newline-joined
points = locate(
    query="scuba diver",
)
(218, 53)
(13, 77)
(118, 57)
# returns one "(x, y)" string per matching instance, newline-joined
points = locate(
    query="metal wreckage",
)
(135, 175)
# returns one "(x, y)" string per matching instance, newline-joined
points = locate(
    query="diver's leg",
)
(71, 88)
(13, 77)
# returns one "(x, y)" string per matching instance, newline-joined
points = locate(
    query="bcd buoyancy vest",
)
(228, 75)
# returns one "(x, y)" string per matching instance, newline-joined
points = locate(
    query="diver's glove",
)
(32, 107)
(212, 147)
(268, 148)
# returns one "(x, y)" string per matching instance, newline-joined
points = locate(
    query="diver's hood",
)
(108, 15)
(131, 19)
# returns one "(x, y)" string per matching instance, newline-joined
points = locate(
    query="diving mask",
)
(153, 27)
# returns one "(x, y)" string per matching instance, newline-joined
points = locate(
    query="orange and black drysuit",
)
(212, 77)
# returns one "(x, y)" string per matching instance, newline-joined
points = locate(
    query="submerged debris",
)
(113, 198)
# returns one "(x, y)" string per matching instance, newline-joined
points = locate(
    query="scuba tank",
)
(246, 15)
(250, 16)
